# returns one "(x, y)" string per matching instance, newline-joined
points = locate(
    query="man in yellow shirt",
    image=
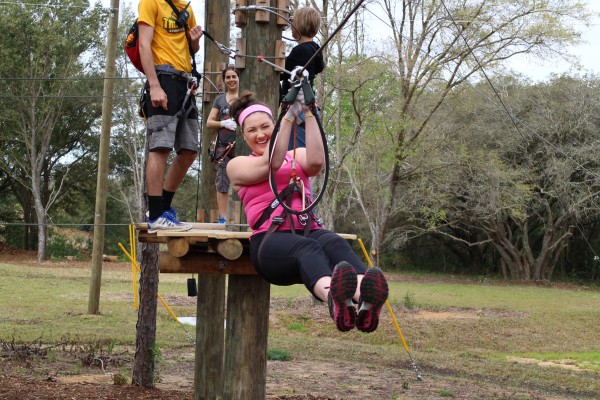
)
(165, 54)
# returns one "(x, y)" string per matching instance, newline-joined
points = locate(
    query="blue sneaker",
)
(168, 222)
(222, 220)
(172, 212)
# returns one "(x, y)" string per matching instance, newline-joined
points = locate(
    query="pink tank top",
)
(256, 198)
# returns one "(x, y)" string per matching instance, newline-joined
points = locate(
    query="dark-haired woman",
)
(322, 261)
(225, 140)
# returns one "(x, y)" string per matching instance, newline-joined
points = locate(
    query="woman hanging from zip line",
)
(321, 260)
(224, 149)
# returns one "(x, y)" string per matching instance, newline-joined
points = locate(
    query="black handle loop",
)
(287, 101)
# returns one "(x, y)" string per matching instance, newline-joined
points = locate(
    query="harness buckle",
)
(274, 204)
(302, 218)
(278, 220)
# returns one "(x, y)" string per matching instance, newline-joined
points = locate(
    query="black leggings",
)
(288, 259)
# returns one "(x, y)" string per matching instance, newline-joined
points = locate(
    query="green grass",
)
(52, 304)
(486, 326)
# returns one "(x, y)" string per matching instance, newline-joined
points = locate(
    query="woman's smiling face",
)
(257, 129)
(231, 80)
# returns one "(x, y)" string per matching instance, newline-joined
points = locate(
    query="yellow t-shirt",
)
(169, 44)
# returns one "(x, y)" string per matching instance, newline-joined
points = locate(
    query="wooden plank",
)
(245, 365)
(209, 233)
(205, 263)
(206, 96)
(205, 226)
(260, 15)
(241, 17)
(279, 55)
(283, 5)
(207, 230)
(145, 237)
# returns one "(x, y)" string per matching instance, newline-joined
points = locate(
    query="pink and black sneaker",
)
(373, 294)
(343, 286)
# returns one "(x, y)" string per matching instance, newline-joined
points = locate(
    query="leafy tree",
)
(48, 115)
(436, 47)
(526, 190)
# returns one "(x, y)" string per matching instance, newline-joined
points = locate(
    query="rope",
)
(389, 308)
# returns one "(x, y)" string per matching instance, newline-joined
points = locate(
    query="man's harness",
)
(186, 108)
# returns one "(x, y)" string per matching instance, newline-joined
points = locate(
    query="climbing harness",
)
(185, 109)
(219, 153)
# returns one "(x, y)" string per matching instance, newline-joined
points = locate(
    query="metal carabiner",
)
(302, 218)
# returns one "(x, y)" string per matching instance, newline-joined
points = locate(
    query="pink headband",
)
(252, 109)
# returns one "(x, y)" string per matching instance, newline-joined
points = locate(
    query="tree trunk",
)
(41, 219)
(145, 347)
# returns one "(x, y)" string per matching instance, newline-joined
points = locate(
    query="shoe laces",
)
(171, 218)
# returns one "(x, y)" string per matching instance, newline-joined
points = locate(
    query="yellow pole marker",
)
(389, 308)
(136, 301)
(139, 270)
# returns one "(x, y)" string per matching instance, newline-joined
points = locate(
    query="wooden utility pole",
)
(217, 24)
(102, 179)
(260, 34)
(211, 288)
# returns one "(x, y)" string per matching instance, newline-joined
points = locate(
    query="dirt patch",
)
(430, 315)
(458, 314)
(565, 364)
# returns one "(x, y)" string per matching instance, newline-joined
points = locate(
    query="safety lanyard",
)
(287, 101)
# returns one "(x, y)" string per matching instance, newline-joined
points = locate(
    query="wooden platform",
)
(231, 363)
(205, 249)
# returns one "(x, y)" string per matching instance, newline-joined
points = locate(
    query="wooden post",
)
(102, 179)
(214, 215)
(200, 215)
(208, 368)
(217, 23)
(210, 315)
(245, 363)
(280, 55)
(258, 77)
(248, 296)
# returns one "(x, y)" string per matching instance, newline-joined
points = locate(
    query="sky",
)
(588, 53)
